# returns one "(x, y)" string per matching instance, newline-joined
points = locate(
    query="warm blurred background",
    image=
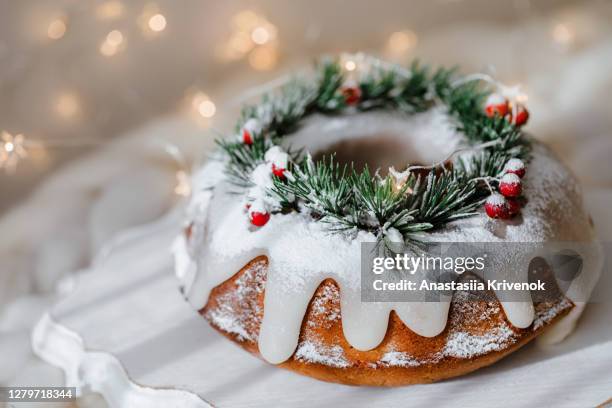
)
(105, 105)
(76, 74)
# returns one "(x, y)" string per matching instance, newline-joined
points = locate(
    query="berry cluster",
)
(351, 92)
(276, 162)
(258, 213)
(507, 203)
(249, 129)
(498, 105)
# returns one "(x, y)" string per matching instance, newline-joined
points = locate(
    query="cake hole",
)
(377, 140)
(558, 272)
(567, 265)
(378, 152)
(540, 270)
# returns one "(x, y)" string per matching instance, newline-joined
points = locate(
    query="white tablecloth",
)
(134, 327)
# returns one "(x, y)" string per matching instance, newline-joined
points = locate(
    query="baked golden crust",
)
(477, 334)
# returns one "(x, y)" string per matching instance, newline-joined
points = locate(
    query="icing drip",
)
(302, 253)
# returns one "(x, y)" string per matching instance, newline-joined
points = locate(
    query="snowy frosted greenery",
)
(349, 200)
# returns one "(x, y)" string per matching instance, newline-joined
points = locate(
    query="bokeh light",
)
(350, 65)
(114, 38)
(563, 35)
(400, 43)
(253, 37)
(183, 184)
(110, 10)
(113, 43)
(67, 105)
(157, 22)
(263, 58)
(56, 29)
(260, 35)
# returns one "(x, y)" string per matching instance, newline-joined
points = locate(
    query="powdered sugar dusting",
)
(399, 359)
(302, 253)
(314, 352)
(514, 165)
(510, 178)
(467, 345)
(225, 319)
(496, 199)
(228, 317)
(465, 304)
(545, 314)
(320, 306)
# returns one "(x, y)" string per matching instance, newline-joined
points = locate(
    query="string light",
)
(157, 23)
(207, 109)
(260, 35)
(240, 43)
(202, 104)
(246, 19)
(514, 93)
(522, 98)
(56, 29)
(400, 42)
(107, 50)
(399, 180)
(354, 63)
(110, 10)
(15, 148)
(183, 185)
(254, 37)
(263, 33)
(67, 105)
(263, 58)
(563, 35)
(113, 43)
(114, 38)
(12, 150)
(199, 107)
(152, 21)
(183, 182)
(350, 65)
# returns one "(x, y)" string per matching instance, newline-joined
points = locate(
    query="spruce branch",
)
(346, 199)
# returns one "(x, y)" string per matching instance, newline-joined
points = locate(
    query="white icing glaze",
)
(302, 253)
